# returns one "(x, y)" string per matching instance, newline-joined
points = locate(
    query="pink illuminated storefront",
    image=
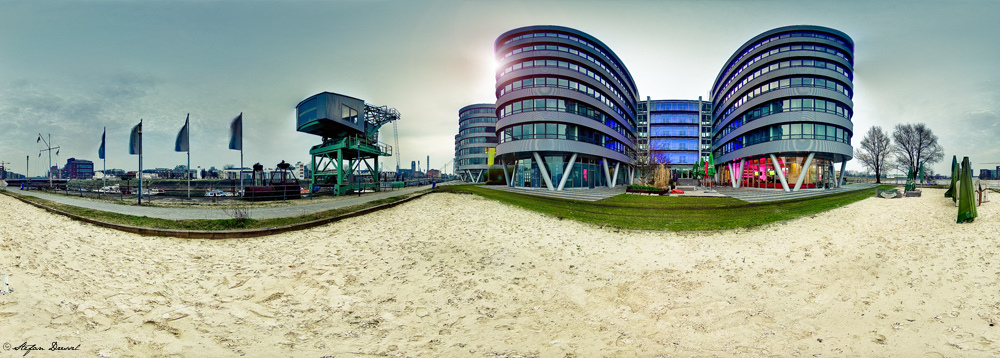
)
(788, 174)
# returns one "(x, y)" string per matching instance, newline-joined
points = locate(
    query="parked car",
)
(113, 189)
(218, 193)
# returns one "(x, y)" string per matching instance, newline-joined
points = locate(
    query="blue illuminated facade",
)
(674, 131)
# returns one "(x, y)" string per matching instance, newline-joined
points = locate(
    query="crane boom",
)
(395, 135)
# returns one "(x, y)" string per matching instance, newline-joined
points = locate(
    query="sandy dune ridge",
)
(459, 275)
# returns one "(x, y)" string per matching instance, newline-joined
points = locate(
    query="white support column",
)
(545, 173)
(505, 176)
(480, 175)
(840, 179)
(781, 174)
(803, 171)
(631, 175)
(607, 173)
(732, 173)
(832, 176)
(739, 182)
(614, 178)
(567, 171)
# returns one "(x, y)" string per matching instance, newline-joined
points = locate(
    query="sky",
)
(72, 68)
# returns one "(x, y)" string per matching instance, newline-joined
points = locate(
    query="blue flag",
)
(100, 152)
(183, 142)
(135, 140)
(236, 133)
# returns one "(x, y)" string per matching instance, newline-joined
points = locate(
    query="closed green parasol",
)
(966, 194)
(911, 184)
(710, 169)
(954, 176)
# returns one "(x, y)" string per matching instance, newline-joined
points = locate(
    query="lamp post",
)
(48, 148)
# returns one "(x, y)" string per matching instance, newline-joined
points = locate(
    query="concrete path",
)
(303, 208)
(752, 195)
(584, 194)
(755, 195)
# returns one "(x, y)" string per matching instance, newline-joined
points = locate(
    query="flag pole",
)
(140, 161)
(187, 128)
(242, 189)
(241, 166)
(105, 159)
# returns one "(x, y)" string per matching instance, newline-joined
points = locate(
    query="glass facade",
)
(586, 172)
(476, 134)
(759, 172)
(806, 73)
(674, 130)
(561, 95)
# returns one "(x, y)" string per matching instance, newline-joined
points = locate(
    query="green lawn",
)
(205, 225)
(622, 211)
(670, 213)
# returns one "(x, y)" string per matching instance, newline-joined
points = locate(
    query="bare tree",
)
(915, 145)
(875, 150)
(644, 167)
(646, 162)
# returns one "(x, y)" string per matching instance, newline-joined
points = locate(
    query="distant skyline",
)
(70, 68)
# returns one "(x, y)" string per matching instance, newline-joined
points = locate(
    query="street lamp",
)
(48, 148)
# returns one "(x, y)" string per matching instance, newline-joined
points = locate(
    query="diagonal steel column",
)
(840, 179)
(614, 178)
(607, 173)
(781, 175)
(505, 176)
(545, 173)
(743, 163)
(567, 172)
(803, 171)
(732, 173)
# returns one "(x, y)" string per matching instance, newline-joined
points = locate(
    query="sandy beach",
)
(459, 275)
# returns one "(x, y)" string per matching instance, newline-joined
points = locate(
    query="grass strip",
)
(639, 212)
(201, 224)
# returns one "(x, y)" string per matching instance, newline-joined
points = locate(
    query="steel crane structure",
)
(349, 128)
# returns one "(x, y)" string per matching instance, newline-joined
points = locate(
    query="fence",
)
(203, 191)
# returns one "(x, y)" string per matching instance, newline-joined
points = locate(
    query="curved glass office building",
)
(782, 109)
(476, 136)
(566, 109)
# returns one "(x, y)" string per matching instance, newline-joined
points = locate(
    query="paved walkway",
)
(752, 195)
(217, 213)
(756, 195)
(584, 194)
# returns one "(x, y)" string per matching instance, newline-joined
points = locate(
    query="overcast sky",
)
(70, 68)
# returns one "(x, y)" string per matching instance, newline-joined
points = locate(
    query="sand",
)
(458, 275)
